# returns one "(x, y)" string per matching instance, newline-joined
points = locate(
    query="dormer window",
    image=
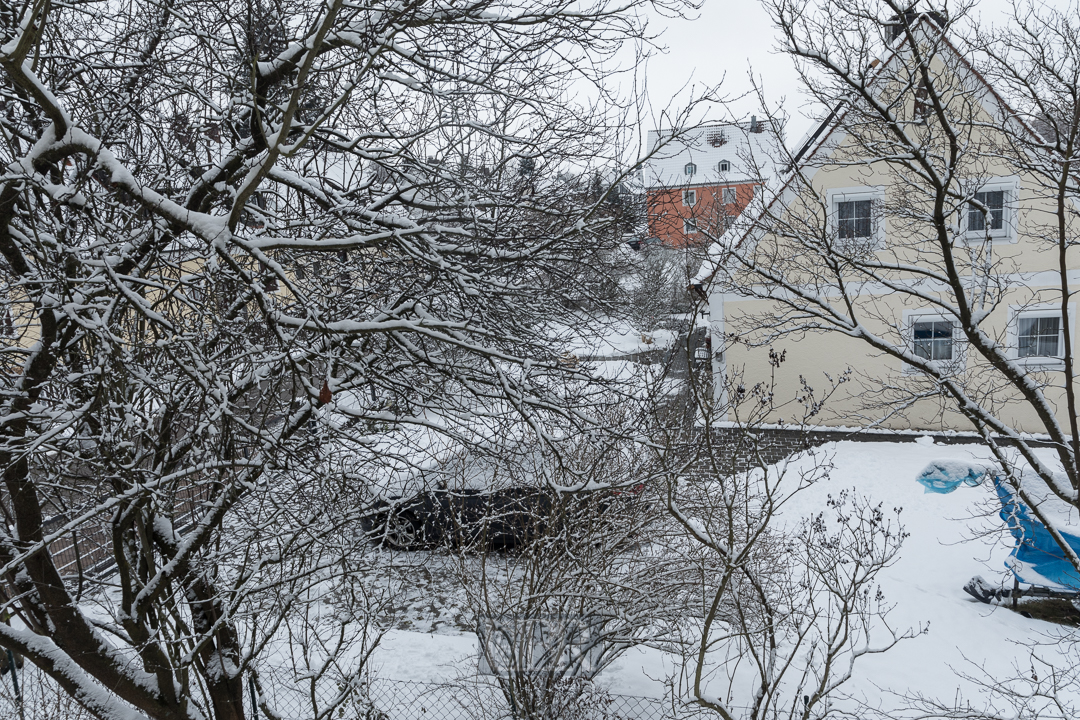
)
(724, 166)
(690, 168)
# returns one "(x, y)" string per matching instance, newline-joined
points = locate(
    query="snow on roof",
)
(750, 155)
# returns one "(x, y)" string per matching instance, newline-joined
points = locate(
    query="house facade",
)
(868, 291)
(698, 181)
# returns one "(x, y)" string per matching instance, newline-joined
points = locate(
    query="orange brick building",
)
(696, 184)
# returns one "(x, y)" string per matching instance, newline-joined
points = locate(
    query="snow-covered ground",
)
(965, 641)
(947, 546)
(599, 338)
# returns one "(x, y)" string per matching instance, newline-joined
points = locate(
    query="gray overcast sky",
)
(721, 43)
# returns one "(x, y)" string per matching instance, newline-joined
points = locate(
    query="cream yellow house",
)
(913, 265)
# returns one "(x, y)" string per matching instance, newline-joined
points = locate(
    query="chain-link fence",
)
(478, 698)
(38, 698)
(482, 699)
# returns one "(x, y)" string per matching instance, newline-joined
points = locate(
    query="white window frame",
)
(7, 324)
(689, 226)
(689, 198)
(723, 166)
(923, 107)
(1008, 232)
(690, 169)
(1037, 310)
(875, 195)
(959, 343)
(732, 193)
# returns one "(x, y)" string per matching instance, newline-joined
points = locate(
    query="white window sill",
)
(858, 246)
(947, 368)
(1001, 239)
(1040, 363)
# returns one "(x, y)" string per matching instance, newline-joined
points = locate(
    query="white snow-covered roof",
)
(750, 155)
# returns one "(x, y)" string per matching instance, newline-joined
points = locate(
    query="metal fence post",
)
(254, 702)
(15, 683)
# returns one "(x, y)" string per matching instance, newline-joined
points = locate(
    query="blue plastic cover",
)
(944, 476)
(1037, 559)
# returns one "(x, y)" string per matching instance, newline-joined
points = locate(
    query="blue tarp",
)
(945, 476)
(1037, 559)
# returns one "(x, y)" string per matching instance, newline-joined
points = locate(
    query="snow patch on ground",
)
(425, 657)
(612, 338)
(948, 544)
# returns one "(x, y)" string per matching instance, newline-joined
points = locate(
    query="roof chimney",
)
(894, 26)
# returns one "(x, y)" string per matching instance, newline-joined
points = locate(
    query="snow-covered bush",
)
(578, 591)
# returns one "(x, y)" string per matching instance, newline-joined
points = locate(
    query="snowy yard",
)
(967, 652)
(965, 642)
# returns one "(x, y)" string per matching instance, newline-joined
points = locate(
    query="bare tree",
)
(964, 142)
(776, 611)
(238, 241)
(968, 216)
(656, 284)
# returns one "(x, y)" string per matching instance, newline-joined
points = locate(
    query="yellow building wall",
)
(874, 381)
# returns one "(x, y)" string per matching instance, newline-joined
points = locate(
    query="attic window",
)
(716, 138)
(923, 106)
(690, 168)
(724, 166)
(855, 219)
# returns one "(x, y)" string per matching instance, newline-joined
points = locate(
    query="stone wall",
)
(742, 449)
